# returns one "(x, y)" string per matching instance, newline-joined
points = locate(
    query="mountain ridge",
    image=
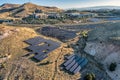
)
(97, 7)
(23, 10)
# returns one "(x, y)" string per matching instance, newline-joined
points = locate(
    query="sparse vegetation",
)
(40, 21)
(24, 66)
(108, 33)
(85, 35)
(46, 63)
(90, 76)
(3, 65)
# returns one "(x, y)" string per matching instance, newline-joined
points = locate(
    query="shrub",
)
(112, 66)
(90, 76)
(68, 46)
(85, 35)
(3, 65)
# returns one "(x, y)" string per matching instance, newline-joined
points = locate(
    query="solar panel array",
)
(58, 33)
(41, 47)
(74, 63)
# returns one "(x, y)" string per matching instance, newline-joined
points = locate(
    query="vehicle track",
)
(56, 65)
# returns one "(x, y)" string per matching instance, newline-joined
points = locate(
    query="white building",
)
(40, 15)
(53, 15)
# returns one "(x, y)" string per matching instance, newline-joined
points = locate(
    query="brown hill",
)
(25, 9)
(8, 6)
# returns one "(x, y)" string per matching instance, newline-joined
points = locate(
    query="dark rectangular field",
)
(75, 63)
(41, 47)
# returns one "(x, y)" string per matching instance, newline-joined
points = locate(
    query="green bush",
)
(112, 66)
(90, 76)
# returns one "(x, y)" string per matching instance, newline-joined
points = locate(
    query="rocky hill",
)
(17, 10)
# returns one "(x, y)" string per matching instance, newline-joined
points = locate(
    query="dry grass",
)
(14, 44)
(24, 68)
(4, 15)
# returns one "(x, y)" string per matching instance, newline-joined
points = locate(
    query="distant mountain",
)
(98, 7)
(7, 6)
(17, 10)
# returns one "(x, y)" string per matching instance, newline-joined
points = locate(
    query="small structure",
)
(80, 15)
(5, 21)
(40, 15)
(72, 14)
(74, 63)
(41, 47)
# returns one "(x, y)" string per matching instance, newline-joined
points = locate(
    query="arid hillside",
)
(16, 10)
(17, 66)
(104, 46)
(109, 32)
(8, 6)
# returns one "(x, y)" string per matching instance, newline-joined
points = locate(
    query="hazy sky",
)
(67, 3)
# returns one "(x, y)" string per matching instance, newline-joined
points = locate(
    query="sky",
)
(67, 3)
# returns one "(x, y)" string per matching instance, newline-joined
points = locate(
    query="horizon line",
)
(61, 7)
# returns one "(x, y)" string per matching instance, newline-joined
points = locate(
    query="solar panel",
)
(69, 61)
(36, 48)
(52, 43)
(76, 64)
(77, 69)
(57, 33)
(35, 41)
(40, 58)
(42, 52)
(73, 67)
(84, 63)
(39, 54)
(41, 48)
(72, 63)
(52, 47)
(32, 47)
(70, 56)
